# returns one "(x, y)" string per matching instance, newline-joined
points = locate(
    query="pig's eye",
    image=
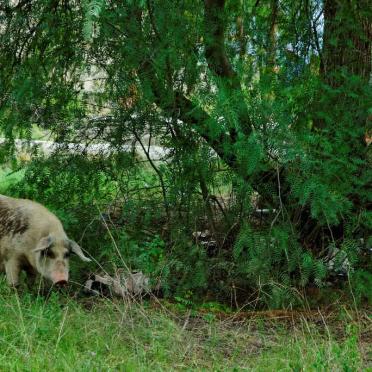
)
(66, 255)
(47, 253)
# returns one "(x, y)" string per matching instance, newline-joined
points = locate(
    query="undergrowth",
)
(117, 214)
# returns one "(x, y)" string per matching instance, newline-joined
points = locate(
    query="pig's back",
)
(23, 216)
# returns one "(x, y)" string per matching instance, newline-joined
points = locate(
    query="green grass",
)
(65, 334)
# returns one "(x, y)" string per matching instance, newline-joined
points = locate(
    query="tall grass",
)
(60, 333)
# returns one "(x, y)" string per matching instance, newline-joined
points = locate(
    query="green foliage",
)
(263, 108)
(147, 255)
(187, 270)
(8, 178)
(274, 261)
(92, 9)
(360, 286)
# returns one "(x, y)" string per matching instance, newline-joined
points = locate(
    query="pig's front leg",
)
(12, 270)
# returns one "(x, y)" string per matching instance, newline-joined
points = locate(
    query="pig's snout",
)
(60, 276)
(61, 283)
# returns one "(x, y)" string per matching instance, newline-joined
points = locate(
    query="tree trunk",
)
(347, 51)
(347, 40)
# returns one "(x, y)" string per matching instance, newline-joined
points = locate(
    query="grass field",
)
(62, 333)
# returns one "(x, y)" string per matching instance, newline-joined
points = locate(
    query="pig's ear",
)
(75, 248)
(44, 243)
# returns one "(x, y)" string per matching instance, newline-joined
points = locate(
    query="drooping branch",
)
(197, 118)
(190, 113)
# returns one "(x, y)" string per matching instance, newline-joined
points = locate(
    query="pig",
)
(33, 239)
